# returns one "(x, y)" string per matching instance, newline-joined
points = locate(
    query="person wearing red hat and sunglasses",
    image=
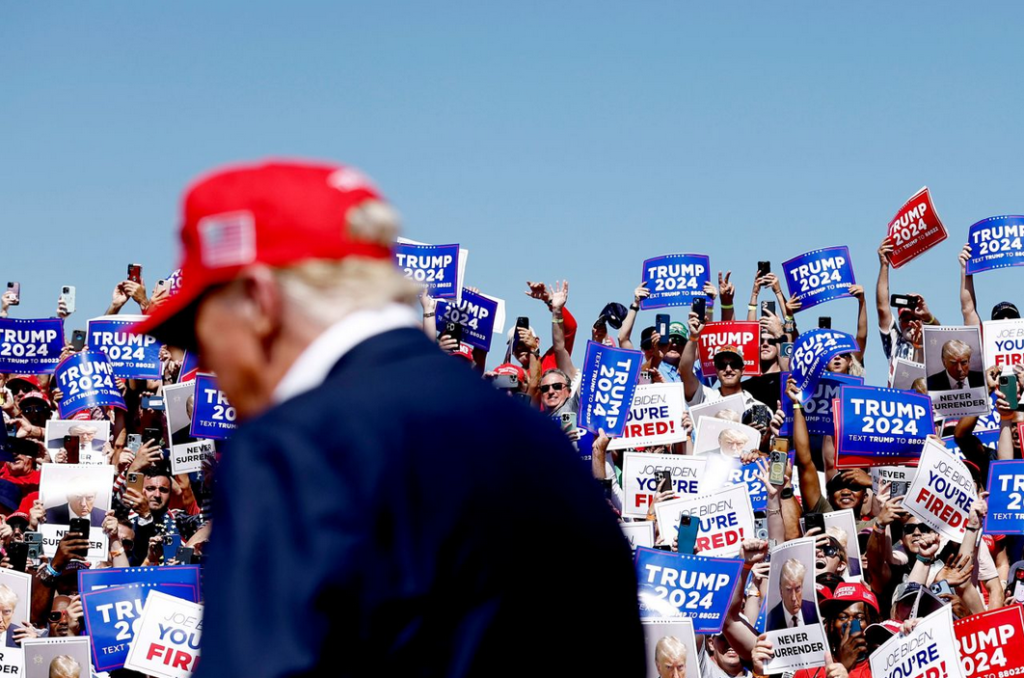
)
(388, 457)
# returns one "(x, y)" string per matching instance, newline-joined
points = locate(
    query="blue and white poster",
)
(189, 367)
(112, 616)
(684, 585)
(819, 276)
(721, 470)
(606, 390)
(1006, 497)
(818, 406)
(30, 346)
(87, 380)
(93, 580)
(436, 266)
(481, 317)
(132, 356)
(881, 426)
(675, 279)
(213, 416)
(996, 242)
(811, 352)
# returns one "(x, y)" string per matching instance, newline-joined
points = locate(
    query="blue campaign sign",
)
(606, 392)
(476, 314)
(174, 281)
(30, 346)
(1006, 497)
(883, 422)
(212, 416)
(112, 615)
(819, 276)
(811, 352)
(132, 356)
(189, 367)
(680, 584)
(675, 279)
(437, 266)
(92, 580)
(87, 380)
(818, 406)
(996, 242)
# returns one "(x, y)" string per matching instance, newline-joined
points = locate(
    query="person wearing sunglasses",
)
(64, 618)
(728, 369)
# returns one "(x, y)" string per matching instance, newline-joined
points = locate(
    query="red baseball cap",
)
(509, 368)
(275, 213)
(849, 593)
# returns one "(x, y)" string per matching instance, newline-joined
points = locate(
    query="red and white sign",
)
(166, 643)
(991, 643)
(743, 334)
(915, 228)
(726, 519)
(655, 417)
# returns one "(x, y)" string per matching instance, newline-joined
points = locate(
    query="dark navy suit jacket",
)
(389, 521)
(777, 616)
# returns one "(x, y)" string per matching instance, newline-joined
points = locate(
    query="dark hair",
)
(157, 472)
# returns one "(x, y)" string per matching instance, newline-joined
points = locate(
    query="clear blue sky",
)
(553, 140)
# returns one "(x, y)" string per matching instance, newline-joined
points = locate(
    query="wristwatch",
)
(787, 493)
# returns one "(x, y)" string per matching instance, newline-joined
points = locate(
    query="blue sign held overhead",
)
(476, 314)
(606, 392)
(675, 279)
(30, 346)
(811, 352)
(679, 584)
(132, 356)
(996, 242)
(213, 416)
(883, 422)
(86, 380)
(818, 406)
(1006, 497)
(819, 276)
(436, 266)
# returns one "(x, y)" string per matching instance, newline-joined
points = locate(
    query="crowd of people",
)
(899, 554)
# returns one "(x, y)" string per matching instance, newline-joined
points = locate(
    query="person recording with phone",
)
(152, 515)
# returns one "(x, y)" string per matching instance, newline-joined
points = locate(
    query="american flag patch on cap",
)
(227, 239)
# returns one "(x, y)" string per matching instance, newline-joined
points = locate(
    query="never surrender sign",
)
(675, 279)
(880, 426)
(477, 313)
(811, 352)
(87, 380)
(996, 242)
(214, 417)
(692, 586)
(30, 346)
(915, 228)
(743, 334)
(1006, 497)
(436, 266)
(819, 276)
(606, 390)
(655, 417)
(132, 356)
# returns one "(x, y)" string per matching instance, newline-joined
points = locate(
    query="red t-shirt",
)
(28, 482)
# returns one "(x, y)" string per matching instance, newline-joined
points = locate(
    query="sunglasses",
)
(731, 364)
(676, 340)
(34, 409)
(829, 550)
(56, 615)
(917, 527)
(771, 341)
(552, 387)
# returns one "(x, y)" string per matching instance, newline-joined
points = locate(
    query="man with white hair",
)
(670, 657)
(793, 611)
(390, 458)
(81, 496)
(12, 634)
(956, 359)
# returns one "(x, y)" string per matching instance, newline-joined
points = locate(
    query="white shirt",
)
(312, 366)
(799, 617)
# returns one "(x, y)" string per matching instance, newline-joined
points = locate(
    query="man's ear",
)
(263, 295)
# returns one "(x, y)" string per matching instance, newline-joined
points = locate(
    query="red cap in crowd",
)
(845, 594)
(274, 213)
(509, 368)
